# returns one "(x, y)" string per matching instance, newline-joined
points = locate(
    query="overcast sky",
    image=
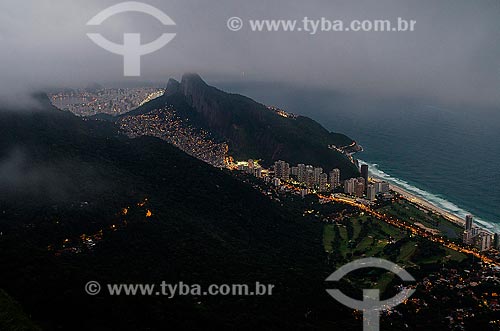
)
(453, 56)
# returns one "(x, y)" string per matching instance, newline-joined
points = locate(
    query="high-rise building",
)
(355, 186)
(282, 170)
(323, 182)
(335, 178)
(294, 171)
(317, 173)
(301, 173)
(469, 220)
(349, 186)
(370, 192)
(359, 187)
(364, 173)
(467, 237)
(258, 172)
(481, 239)
(471, 234)
(310, 177)
(485, 241)
(381, 187)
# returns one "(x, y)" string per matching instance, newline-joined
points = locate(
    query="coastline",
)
(427, 205)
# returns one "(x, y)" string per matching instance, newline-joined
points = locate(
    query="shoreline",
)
(428, 205)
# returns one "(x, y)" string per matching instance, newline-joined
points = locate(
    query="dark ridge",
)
(251, 130)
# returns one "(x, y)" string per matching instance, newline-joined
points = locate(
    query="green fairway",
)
(362, 236)
(409, 212)
(328, 236)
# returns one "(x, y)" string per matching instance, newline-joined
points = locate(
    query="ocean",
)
(448, 156)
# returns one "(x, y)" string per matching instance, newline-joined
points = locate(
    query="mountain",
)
(252, 130)
(12, 317)
(80, 202)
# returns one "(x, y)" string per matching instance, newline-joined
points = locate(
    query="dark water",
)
(449, 156)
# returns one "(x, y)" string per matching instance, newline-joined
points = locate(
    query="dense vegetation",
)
(62, 177)
(12, 317)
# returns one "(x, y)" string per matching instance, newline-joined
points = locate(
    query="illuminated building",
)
(323, 182)
(381, 187)
(335, 178)
(349, 186)
(359, 187)
(282, 170)
(468, 222)
(317, 173)
(301, 173)
(364, 173)
(370, 192)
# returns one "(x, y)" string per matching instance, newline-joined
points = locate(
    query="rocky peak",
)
(173, 87)
(196, 92)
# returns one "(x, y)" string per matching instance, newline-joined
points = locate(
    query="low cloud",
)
(21, 175)
(452, 56)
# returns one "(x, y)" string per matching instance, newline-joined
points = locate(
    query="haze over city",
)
(450, 58)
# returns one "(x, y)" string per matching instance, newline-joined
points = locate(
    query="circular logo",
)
(93, 288)
(234, 23)
(371, 304)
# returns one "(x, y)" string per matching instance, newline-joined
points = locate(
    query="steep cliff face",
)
(206, 100)
(238, 119)
(252, 130)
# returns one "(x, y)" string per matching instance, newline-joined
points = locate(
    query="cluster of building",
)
(281, 112)
(167, 125)
(448, 287)
(309, 176)
(111, 101)
(478, 237)
(362, 187)
(314, 179)
(252, 167)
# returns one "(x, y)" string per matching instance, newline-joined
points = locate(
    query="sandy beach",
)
(424, 203)
(427, 205)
